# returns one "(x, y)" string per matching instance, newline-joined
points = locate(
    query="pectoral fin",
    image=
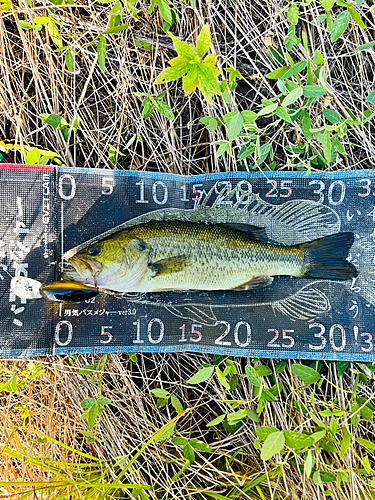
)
(169, 266)
(256, 282)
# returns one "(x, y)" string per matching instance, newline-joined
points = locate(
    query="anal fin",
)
(169, 265)
(256, 282)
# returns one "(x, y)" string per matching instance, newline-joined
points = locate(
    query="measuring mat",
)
(47, 214)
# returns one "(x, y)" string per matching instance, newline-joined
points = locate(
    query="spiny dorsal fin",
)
(169, 265)
(256, 282)
(254, 232)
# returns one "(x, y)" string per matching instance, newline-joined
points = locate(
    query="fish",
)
(173, 255)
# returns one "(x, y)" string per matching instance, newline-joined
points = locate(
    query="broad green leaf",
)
(25, 25)
(228, 116)
(115, 29)
(345, 444)
(202, 375)
(252, 376)
(207, 83)
(104, 401)
(223, 148)
(327, 4)
(165, 11)
(292, 97)
(365, 46)
(278, 73)
(318, 435)
(160, 393)
(355, 15)
(297, 68)
(305, 121)
(309, 463)
(69, 60)
(173, 73)
(326, 143)
(333, 426)
(271, 108)
(213, 124)
(203, 41)
(88, 402)
(252, 415)
(54, 121)
(182, 48)
(188, 450)
(249, 116)
(297, 440)
(306, 374)
(331, 115)
(176, 403)
(216, 420)
(237, 416)
(166, 432)
(93, 413)
(235, 126)
(152, 6)
(164, 109)
(320, 19)
(263, 370)
(200, 445)
(313, 91)
(366, 443)
(179, 441)
(42, 20)
(223, 381)
(101, 49)
(273, 444)
(33, 156)
(318, 58)
(327, 477)
(293, 14)
(371, 97)
(54, 32)
(190, 81)
(281, 113)
(339, 25)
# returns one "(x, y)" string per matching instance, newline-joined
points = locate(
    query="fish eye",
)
(93, 251)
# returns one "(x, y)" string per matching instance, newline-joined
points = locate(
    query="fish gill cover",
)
(49, 215)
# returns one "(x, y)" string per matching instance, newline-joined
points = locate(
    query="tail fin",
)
(326, 257)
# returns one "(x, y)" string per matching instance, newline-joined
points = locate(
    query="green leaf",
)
(182, 48)
(327, 477)
(213, 124)
(25, 25)
(93, 413)
(371, 97)
(309, 463)
(101, 49)
(281, 113)
(252, 376)
(115, 29)
(249, 116)
(165, 11)
(69, 60)
(318, 58)
(235, 126)
(297, 68)
(201, 376)
(331, 115)
(297, 440)
(33, 156)
(267, 110)
(216, 420)
(166, 432)
(327, 4)
(104, 401)
(278, 73)
(306, 374)
(292, 97)
(88, 402)
(173, 73)
(152, 6)
(365, 46)
(339, 25)
(252, 415)
(263, 370)
(320, 19)
(223, 148)
(280, 367)
(200, 445)
(366, 443)
(164, 109)
(179, 441)
(160, 393)
(273, 444)
(313, 91)
(188, 450)
(293, 14)
(190, 81)
(203, 41)
(306, 124)
(326, 142)
(345, 444)
(207, 83)
(42, 20)
(319, 435)
(54, 32)
(355, 15)
(176, 403)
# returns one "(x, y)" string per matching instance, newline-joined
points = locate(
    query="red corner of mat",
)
(13, 166)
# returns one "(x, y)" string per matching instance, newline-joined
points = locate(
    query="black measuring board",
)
(62, 208)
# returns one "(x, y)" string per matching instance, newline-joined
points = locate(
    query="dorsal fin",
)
(254, 232)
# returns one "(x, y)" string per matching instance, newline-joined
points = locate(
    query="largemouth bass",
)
(177, 255)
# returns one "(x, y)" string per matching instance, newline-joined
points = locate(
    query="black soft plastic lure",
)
(68, 291)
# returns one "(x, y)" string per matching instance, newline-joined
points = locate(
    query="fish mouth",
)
(83, 265)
